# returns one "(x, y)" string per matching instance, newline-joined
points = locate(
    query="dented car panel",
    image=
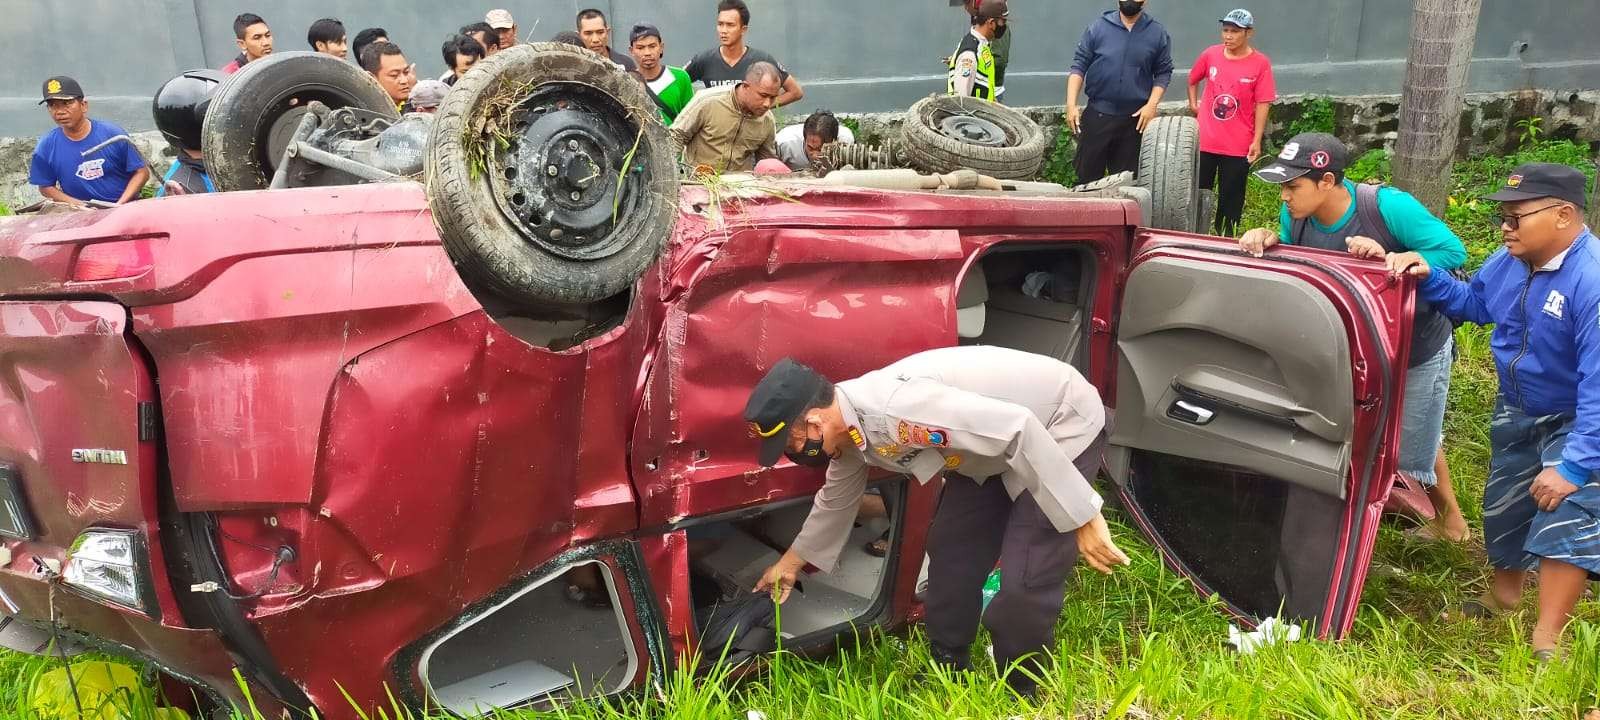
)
(381, 463)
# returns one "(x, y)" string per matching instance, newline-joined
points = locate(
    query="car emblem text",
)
(103, 457)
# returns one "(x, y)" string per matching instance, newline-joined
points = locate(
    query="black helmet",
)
(180, 106)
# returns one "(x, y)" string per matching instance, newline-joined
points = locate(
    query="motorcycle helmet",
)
(180, 106)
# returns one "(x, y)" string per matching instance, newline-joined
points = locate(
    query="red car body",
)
(304, 369)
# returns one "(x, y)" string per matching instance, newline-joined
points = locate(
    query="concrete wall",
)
(852, 56)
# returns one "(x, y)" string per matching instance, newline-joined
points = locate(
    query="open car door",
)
(1258, 411)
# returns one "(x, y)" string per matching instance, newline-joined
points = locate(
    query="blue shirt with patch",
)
(104, 175)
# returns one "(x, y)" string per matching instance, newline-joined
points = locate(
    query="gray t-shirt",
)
(710, 70)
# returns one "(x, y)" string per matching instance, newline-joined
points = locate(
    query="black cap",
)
(1307, 153)
(61, 87)
(777, 402)
(643, 30)
(1543, 180)
(993, 9)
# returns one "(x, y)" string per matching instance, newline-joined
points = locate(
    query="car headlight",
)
(110, 565)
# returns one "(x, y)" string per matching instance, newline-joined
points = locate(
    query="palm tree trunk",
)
(1442, 33)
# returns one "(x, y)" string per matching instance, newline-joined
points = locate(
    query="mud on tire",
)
(1169, 161)
(550, 178)
(255, 113)
(942, 133)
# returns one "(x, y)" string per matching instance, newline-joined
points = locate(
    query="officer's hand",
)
(780, 578)
(1074, 114)
(1550, 488)
(1408, 263)
(1364, 247)
(1096, 548)
(1145, 115)
(1257, 240)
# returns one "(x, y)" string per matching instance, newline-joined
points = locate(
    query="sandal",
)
(879, 547)
(1546, 656)
(1479, 609)
(1429, 533)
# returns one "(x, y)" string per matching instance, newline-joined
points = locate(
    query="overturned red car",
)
(325, 435)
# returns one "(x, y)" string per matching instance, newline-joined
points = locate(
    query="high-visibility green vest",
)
(984, 80)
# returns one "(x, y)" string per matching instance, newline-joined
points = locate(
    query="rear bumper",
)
(194, 656)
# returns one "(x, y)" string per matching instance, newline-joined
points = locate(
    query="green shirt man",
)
(669, 86)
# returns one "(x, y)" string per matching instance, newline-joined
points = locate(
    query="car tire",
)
(1205, 216)
(943, 133)
(255, 113)
(525, 162)
(1169, 160)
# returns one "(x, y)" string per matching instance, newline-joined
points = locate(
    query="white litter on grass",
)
(1271, 631)
(755, 715)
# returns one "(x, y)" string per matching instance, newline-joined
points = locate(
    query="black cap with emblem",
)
(777, 402)
(61, 87)
(1304, 154)
(1532, 181)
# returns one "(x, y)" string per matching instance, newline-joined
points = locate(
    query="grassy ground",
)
(1141, 644)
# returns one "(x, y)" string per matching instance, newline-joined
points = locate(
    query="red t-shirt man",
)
(1239, 90)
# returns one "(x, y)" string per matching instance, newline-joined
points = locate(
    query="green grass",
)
(1140, 643)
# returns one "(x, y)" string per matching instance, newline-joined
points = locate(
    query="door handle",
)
(1185, 411)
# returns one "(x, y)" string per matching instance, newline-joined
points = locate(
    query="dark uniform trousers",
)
(978, 524)
(1107, 145)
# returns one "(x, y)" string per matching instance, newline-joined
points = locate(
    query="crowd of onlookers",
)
(1541, 506)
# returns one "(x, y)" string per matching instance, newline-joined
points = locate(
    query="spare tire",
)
(550, 177)
(1169, 162)
(942, 133)
(255, 113)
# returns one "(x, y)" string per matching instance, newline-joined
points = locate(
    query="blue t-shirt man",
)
(58, 160)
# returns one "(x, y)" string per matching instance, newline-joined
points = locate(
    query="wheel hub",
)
(559, 167)
(972, 130)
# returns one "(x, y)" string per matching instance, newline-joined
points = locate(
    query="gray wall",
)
(852, 55)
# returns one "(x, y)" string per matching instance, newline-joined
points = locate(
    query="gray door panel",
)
(1236, 366)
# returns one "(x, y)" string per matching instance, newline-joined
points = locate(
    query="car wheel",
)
(1205, 216)
(550, 178)
(943, 133)
(1169, 160)
(255, 113)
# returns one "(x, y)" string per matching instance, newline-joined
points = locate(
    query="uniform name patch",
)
(855, 437)
(922, 436)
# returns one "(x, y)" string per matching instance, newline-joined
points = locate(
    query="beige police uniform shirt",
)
(714, 131)
(978, 411)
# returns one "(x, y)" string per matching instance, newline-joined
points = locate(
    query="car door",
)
(1257, 416)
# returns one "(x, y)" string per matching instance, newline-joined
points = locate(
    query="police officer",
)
(972, 67)
(180, 111)
(1016, 436)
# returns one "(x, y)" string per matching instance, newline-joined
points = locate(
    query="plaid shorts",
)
(1516, 532)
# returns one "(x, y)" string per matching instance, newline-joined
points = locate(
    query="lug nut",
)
(572, 144)
(576, 196)
(556, 234)
(552, 170)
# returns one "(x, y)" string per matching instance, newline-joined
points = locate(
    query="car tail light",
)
(116, 260)
(110, 565)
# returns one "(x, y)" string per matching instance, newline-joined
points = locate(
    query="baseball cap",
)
(61, 87)
(643, 30)
(428, 94)
(499, 19)
(777, 401)
(1240, 17)
(1306, 153)
(993, 9)
(1543, 180)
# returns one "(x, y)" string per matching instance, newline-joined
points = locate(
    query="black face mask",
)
(1130, 8)
(810, 455)
(1000, 31)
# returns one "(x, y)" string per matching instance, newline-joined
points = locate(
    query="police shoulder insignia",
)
(855, 437)
(952, 461)
(922, 436)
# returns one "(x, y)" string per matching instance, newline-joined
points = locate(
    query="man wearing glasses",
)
(1325, 210)
(1541, 290)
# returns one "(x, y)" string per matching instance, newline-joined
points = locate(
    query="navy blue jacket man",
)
(1124, 62)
